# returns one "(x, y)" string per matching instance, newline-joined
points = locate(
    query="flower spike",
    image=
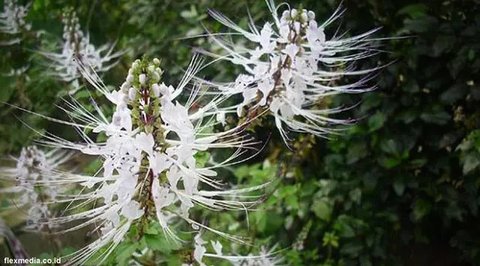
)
(293, 67)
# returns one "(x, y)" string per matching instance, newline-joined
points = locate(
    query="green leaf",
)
(201, 158)
(356, 195)
(356, 152)
(421, 208)
(330, 239)
(292, 201)
(390, 146)
(421, 24)
(343, 228)
(443, 44)
(260, 218)
(322, 209)
(471, 55)
(158, 242)
(470, 163)
(6, 91)
(417, 163)
(352, 248)
(124, 252)
(413, 11)
(376, 121)
(435, 117)
(389, 162)
(399, 187)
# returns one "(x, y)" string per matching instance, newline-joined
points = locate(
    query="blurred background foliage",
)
(401, 187)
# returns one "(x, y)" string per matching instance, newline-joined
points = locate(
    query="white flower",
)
(291, 50)
(32, 183)
(199, 250)
(264, 258)
(12, 21)
(221, 117)
(132, 210)
(76, 46)
(150, 156)
(293, 67)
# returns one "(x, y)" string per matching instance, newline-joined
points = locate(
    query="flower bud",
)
(135, 65)
(155, 76)
(142, 78)
(151, 68)
(304, 17)
(124, 87)
(131, 93)
(294, 13)
(129, 77)
(311, 15)
(156, 90)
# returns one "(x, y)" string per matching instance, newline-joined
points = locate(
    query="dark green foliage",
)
(406, 177)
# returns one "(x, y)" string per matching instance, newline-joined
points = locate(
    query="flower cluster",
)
(33, 183)
(293, 67)
(156, 149)
(264, 258)
(149, 164)
(12, 21)
(76, 46)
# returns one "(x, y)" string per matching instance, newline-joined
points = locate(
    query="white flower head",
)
(292, 67)
(31, 183)
(12, 21)
(76, 46)
(150, 167)
(263, 258)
